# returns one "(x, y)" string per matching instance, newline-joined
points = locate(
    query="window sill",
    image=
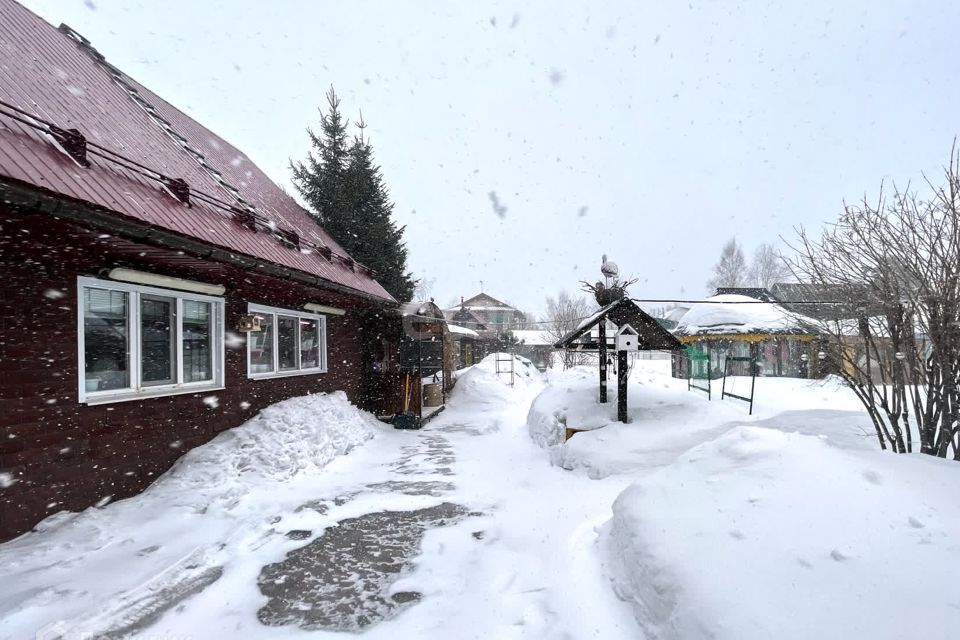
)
(285, 374)
(128, 395)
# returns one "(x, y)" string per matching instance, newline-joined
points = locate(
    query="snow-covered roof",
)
(653, 335)
(731, 314)
(533, 337)
(462, 331)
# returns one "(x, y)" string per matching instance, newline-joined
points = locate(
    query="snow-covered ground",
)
(789, 524)
(694, 520)
(460, 530)
(206, 518)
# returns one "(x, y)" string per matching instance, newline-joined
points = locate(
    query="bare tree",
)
(564, 314)
(895, 340)
(731, 269)
(423, 287)
(529, 321)
(768, 267)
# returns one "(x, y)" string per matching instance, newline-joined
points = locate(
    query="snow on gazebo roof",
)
(732, 315)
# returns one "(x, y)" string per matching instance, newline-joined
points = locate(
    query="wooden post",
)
(622, 386)
(603, 360)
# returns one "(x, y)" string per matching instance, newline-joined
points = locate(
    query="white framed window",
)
(143, 342)
(291, 343)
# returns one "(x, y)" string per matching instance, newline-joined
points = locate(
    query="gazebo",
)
(635, 330)
(781, 342)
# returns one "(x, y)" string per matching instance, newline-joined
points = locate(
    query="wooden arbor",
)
(631, 321)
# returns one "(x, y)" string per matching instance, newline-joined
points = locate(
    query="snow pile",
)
(294, 436)
(736, 314)
(482, 384)
(216, 506)
(570, 398)
(665, 420)
(760, 533)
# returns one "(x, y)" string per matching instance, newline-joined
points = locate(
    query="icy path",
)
(461, 530)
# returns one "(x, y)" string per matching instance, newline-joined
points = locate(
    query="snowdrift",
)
(761, 533)
(294, 436)
(666, 420)
(481, 384)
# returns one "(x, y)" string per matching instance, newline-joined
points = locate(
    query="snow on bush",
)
(761, 533)
(290, 437)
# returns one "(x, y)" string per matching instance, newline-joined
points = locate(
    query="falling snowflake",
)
(244, 405)
(53, 294)
(498, 207)
(7, 480)
(211, 401)
(234, 340)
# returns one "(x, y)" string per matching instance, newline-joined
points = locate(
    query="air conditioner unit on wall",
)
(250, 323)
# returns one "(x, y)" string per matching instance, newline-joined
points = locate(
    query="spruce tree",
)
(320, 179)
(345, 191)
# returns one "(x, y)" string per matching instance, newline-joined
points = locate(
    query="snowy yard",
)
(790, 523)
(695, 520)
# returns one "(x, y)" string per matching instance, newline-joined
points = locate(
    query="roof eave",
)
(17, 195)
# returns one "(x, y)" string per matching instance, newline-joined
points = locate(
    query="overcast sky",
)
(648, 131)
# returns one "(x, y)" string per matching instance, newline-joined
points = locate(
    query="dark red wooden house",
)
(135, 248)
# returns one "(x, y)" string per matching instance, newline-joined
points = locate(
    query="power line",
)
(776, 302)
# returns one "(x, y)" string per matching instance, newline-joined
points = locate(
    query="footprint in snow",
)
(873, 477)
(737, 534)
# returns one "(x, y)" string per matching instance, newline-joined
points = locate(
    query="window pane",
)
(309, 344)
(157, 340)
(287, 342)
(197, 341)
(261, 346)
(106, 352)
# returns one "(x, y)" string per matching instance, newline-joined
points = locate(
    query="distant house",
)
(535, 345)
(759, 293)
(158, 288)
(486, 315)
(464, 342)
(731, 325)
(842, 312)
(824, 302)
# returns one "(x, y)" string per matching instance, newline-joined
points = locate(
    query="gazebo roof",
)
(652, 336)
(731, 315)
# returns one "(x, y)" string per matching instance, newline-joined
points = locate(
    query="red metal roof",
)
(47, 73)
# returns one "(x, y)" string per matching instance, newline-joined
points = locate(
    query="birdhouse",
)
(628, 339)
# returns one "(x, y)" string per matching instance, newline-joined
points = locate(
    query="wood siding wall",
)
(66, 456)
